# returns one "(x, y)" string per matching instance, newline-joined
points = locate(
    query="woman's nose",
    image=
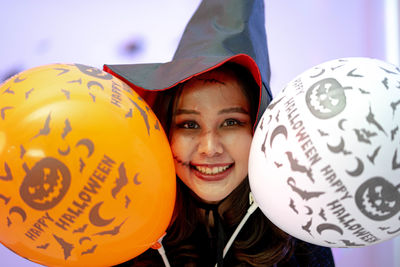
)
(210, 144)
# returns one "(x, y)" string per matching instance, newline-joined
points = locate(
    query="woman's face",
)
(210, 136)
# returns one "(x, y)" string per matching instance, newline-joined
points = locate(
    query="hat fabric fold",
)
(218, 32)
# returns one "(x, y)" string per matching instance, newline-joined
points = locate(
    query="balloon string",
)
(160, 248)
(250, 210)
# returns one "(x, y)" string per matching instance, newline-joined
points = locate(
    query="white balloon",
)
(324, 163)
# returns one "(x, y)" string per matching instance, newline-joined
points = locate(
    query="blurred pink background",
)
(301, 34)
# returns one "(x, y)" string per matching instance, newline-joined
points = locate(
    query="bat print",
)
(292, 205)
(46, 127)
(28, 93)
(143, 114)
(113, 231)
(371, 120)
(8, 91)
(364, 92)
(272, 105)
(295, 166)
(5, 199)
(395, 163)
(304, 194)
(121, 181)
(373, 155)
(82, 165)
(394, 105)
(322, 214)
(3, 112)
(263, 148)
(388, 71)
(76, 81)
(90, 250)
(348, 243)
(307, 227)
(127, 202)
(22, 151)
(67, 247)
(80, 229)
(364, 135)
(352, 74)
(67, 129)
(8, 176)
(262, 123)
(129, 114)
(277, 164)
(394, 132)
(62, 71)
(93, 97)
(44, 246)
(385, 82)
(322, 133)
(66, 93)
(157, 125)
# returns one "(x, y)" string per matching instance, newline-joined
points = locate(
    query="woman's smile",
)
(212, 172)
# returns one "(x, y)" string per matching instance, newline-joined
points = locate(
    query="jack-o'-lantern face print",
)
(45, 184)
(326, 98)
(378, 199)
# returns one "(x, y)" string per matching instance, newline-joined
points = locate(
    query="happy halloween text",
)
(78, 206)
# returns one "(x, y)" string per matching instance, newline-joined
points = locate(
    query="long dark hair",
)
(264, 244)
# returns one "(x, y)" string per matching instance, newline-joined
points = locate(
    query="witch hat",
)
(219, 31)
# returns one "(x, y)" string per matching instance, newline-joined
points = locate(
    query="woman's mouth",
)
(212, 172)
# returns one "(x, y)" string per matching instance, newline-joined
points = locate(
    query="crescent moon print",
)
(64, 152)
(277, 131)
(95, 217)
(349, 243)
(358, 170)
(94, 83)
(329, 226)
(338, 148)
(85, 238)
(136, 180)
(340, 124)
(88, 144)
(309, 210)
(19, 211)
(322, 71)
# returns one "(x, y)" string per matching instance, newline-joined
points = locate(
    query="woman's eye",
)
(230, 122)
(189, 125)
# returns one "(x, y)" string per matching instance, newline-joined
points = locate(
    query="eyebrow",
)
(223, 111)
(234, 110)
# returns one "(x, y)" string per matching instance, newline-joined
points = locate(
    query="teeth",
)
(214, 170)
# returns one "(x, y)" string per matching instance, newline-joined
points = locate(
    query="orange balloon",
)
(86, 172)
